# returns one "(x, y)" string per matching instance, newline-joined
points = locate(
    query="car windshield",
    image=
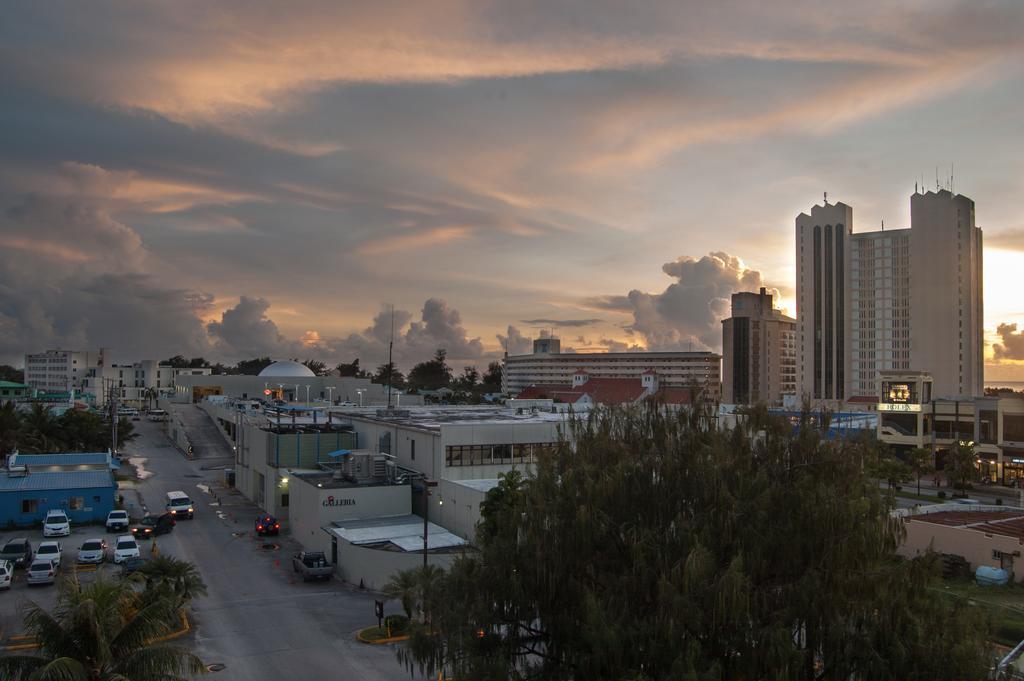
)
(117, 515)
(149, 520)
(94, 545)
(122, 545)
(48, 549)
(57, 518)
(14, 547)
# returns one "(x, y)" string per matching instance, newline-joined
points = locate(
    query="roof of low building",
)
(1009, 522)
(11, 384)
(404, 533)
(60, 459)
(606, 391)
(287, 369)
(61, 480)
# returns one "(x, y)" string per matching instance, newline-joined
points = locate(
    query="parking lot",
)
(257, 619)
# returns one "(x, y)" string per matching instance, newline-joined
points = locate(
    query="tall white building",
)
(60, 370)
(889, 300)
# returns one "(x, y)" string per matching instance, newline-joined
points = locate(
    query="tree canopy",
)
(9, 373)
(318, 367)
(432, 374)
(389, 373)
(656, 546)
(351, 369)
(252, 367)
(38, 430)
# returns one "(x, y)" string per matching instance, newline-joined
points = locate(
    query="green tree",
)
(125, 432)
(386, 372)
(921, 462)
(9, 373)
(656, 546)
(432, 374)
(960, 467)
(167, 577)
(100, 632)
(316, 366)
(197, 363)
(892, 470)
(178, 362)
(40, 431)
(404, 587)
(252, 367)
(10, 428)
(470, 378)
(492, 377)
(350, 369)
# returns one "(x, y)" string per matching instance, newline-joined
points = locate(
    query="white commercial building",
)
(889, 300)
(60, 370)
(547, 365)
(135, 383)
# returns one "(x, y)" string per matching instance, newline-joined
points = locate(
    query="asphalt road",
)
(257, 619)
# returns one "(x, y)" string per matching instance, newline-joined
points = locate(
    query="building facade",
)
(889, 300)
(548, 366)
(60, 371)
(758, 351)
(133, 382)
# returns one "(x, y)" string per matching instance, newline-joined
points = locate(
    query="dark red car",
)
(267, 524)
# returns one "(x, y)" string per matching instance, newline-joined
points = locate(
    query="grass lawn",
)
(1004, 604)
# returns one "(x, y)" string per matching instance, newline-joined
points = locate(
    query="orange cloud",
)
(45, 248)
(426, 239)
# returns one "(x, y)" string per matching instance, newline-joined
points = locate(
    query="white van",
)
(157, 415)
(179, 505)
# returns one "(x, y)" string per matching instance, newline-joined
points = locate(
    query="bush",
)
(398, 624)
(942, 495)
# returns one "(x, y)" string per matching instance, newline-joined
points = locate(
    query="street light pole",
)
(360, 393)
(307, 393)
(426, 512)
(295, 398)
(330, 394)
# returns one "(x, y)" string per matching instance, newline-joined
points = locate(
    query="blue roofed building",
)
(80, 484)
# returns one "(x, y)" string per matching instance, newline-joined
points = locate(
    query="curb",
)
(379, 641)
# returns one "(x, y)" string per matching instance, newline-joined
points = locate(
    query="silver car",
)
(92, 551)
(42, 571)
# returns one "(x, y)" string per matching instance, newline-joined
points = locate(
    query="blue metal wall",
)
(98, 502)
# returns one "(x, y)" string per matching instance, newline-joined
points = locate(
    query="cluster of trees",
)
(38, 430)
(9, 373)
(108, 629)
(917, 463)
(657, 546)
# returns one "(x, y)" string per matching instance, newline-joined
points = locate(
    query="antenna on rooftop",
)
(883, 225)
(826, 198)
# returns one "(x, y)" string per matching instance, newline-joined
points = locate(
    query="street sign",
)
(378, 608)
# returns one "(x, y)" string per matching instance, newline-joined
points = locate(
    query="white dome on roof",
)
(287, 368)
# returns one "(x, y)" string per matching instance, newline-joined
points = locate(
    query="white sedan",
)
(125, 548)
(51, 551)
(93, 551)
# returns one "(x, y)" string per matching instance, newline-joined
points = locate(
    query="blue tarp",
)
(340, 452)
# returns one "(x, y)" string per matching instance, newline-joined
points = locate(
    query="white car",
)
(93, 551)
(42, 571)
(56, 524)
(118, 521)
(50, 550)
(125, 548)
(6, 574)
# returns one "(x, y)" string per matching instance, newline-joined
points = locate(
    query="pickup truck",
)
(312, 565)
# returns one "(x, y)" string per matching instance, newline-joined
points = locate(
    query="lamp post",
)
(280, 389)
(330, 394)
(360, 393)
(295, 397)
(307, 393)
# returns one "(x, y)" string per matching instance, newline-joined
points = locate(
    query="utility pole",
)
(426, 511)
(113, 418)
(391, 370)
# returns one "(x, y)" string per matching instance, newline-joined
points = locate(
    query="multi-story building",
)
(758, 351)
(133, 382)
(61, 371)
(548, 366)
(889, 300)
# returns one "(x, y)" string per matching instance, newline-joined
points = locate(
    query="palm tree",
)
(10, 428)
(41, 432)
(168, 577)
(405, 586)
(100, 632)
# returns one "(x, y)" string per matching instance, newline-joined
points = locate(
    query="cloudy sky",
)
(232, 179)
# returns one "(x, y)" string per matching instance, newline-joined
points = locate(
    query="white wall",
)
(308, 514)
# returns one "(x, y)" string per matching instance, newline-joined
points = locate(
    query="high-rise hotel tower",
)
(903, 299)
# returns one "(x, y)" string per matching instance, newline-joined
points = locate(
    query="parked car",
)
(42, 571)
(179, 505)
(267, 524)
(312, 565)
(125, 548)
(157, 415)
(6, 574)
(56, 524)
(132, 565)
(152, 525)
(966, 502)
(51, 550)
(93, 551)
(118, 521)
(346, 403)
(18, 551)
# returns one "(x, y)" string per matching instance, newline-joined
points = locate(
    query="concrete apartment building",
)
(134, 381)
(60, 371)
(889, 300)
(759, 351)
(547, 365)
